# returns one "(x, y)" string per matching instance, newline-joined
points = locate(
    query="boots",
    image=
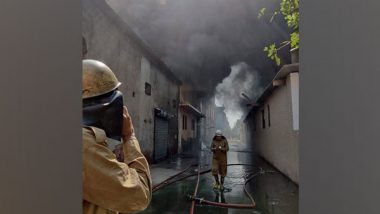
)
(221, 187)
(216, 185)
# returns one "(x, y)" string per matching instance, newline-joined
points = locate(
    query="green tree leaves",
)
(290, 11)
(294, 40)
(272, 53)
(261, 13)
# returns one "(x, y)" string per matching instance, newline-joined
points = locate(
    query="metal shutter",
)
(161, 138)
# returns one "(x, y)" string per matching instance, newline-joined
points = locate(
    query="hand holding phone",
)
(127, 131)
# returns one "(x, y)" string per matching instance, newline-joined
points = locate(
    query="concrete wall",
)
(201, 136)
(187, 136)
(165, 94)
(208, 107)
(278, 142)
(294, 89)
(110, 40)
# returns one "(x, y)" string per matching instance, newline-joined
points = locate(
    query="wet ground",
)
(272, 191)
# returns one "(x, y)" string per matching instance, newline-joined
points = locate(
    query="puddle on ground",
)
(273, 192)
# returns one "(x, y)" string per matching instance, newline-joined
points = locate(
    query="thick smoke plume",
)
(242, 79)
(201, 39)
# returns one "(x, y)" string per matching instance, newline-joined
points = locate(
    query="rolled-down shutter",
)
(161, 138)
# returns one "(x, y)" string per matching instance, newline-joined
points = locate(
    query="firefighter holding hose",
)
(116, 175)
(219, 147)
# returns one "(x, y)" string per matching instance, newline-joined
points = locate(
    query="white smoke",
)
(242, 79)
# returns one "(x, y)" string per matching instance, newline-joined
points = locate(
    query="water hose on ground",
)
(158, 186)
(201, 200)
(217, 204)
(166, 182)
(195, 191)
(238, 206)
(249, 179)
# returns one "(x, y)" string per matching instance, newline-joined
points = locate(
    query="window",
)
(148, 89)
(184, 122)
(268, 116)
(263, 119)
(193, 124)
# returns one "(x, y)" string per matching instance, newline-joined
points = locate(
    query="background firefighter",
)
(219, 147)
(112, 184)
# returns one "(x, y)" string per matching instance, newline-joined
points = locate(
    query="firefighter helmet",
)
(97, 79)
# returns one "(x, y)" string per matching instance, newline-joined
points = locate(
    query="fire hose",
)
(195, 191)
(194, 197)
(239, 206)
(165, 182)
(168, 182)
(218, 204)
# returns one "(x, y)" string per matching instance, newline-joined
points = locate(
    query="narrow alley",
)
(194, 71)
(272, 192)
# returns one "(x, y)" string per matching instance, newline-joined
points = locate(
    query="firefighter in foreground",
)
(219, 147)
(116, 176)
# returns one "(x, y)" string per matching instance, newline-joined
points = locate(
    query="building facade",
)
(208, 124)
(189, 121)
(273, 124)
(189, 130)
(150, 90)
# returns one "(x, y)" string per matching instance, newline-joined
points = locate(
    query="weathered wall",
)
(109, 40)
(165, 94)
(187, 136)
(278, 143)
(208, 123)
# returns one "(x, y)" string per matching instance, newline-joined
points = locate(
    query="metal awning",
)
(191, 109)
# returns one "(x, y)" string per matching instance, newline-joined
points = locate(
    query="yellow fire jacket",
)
(110, 186)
